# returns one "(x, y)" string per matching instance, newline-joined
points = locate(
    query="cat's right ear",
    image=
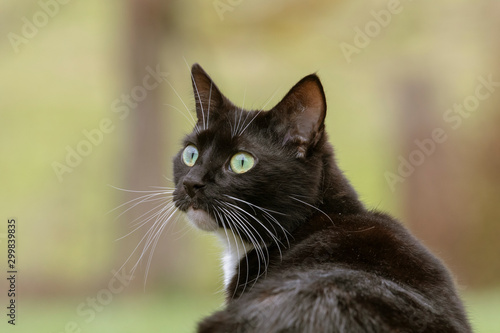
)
(209, 100)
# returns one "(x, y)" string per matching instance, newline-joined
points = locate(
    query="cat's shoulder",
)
(371, 242)
(335, 232)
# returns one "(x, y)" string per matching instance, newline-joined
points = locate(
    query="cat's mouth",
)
(184, 202)
(196, 211)
(195, 206)
(201, 219)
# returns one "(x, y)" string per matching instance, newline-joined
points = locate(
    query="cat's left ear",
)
(303, 112)
(209, 99)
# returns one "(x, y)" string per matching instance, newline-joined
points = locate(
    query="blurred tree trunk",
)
(452, 199)
(433, 205)
(145, 163)
(482, 247)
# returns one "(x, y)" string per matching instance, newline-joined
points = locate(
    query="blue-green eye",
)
(242, 162)
(190, 155)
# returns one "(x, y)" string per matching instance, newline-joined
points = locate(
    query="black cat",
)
(302, 252)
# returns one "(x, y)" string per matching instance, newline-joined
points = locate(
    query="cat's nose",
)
(192, 185)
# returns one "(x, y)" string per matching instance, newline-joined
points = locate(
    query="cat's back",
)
(355, 273)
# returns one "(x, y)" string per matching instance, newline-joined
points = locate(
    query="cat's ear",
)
(303, 112)
(209, 100)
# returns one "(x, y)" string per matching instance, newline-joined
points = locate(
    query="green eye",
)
(190, 155)
(242, 162)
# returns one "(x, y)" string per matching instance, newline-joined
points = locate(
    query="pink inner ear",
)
(309, 118)
(311, 96)
(303, 111)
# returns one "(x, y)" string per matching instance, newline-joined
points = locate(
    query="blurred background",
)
(94, 98)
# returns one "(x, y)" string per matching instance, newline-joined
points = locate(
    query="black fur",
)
(330, 265)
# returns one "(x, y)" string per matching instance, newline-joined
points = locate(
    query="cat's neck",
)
(235, 249)
(336, 194)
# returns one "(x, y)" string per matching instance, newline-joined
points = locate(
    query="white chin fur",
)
(201, 220)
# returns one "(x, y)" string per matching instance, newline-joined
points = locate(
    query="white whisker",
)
(274, 238)
(161, 214)
(141, 199)
(142, 223)
(244, 226)
(251, 120)
(239, 221)
(237, 246)
(156, 239)
(209, 100)
(190, 120)
(189, 112)
(270, 99)
(259, 248)
(314, 207)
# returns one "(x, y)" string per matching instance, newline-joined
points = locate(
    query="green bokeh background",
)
(65, 78)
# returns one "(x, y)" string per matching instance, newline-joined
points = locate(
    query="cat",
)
(302, 253)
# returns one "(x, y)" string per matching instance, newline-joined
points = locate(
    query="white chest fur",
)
(234, 250)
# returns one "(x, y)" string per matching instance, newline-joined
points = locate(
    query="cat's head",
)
(255, 172)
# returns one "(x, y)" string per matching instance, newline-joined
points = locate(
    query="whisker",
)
(270, 99)
(265, 210)
(162, 214)
(141, 191)
(181, 233)
(156, 239)
(261, 256)
(236, 124)
(251, 120)
(167, 189)
(221, 218)
(238, 221)
(200, 101)
(182, 113)
(167, 204)
(151, 231)
(142, 223)
(272, 219)
(236, 243)
(161, 218)
(189, 112)
(157, 226)
(247, 114)
(307, 204)
(239, 133)
(170, 180)
(142, 199)
(275, 239)
(209, 99)
(234, 215)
